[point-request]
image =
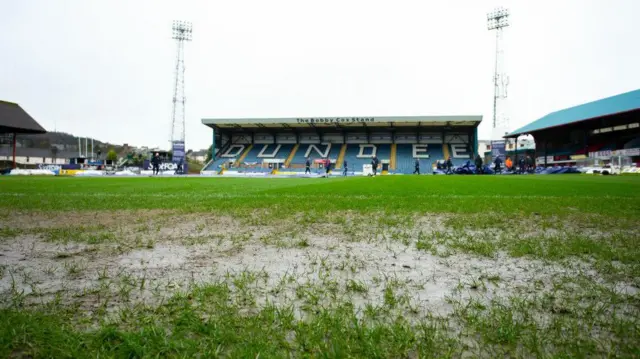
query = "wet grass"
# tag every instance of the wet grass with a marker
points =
(205, 323)
(332, 310)
(403, 194)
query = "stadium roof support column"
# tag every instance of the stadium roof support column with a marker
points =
(473, 135)
(213, 143)
(586, 142)
(545, 152)
(14, 149)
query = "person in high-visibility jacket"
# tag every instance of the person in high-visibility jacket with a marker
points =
(508, 163)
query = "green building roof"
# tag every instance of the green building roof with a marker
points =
(625, 102)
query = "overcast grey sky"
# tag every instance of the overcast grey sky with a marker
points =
(105, 68)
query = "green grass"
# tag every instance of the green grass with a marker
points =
(271, 332)
(452, 194)
(558, 220)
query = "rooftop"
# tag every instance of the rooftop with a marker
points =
(613, 105)
(340, 122)
(13, 119)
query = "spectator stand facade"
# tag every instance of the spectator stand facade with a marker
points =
(595, 130)
(262, 146)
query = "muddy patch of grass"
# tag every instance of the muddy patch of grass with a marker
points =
(345, 283)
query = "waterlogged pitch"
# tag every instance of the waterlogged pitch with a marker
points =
(397, 266)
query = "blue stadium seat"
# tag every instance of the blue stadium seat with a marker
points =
(383, 152)
(299, 158)
(405, 163)
(283, 152)
(459, 161)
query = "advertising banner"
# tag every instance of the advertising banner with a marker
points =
(164, 166)
(178, 152)
(631, 152)
(498, 150)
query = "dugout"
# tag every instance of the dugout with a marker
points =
(599, 129)
(251, 144)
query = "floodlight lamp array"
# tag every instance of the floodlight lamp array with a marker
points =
(498, 19)
(182, 30)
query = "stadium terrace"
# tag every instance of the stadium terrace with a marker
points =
(287, 146)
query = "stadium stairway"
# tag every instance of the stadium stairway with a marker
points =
(292, 154)
(392, 160)
(243, 156)
(340, 160)
(445, 152)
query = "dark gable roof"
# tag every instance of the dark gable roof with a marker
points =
(14, 119)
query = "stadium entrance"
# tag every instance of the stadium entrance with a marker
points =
(287, 146)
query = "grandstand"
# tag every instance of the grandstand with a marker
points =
(281, 145)
(599, 129)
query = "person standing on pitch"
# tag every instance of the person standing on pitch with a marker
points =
(179, 170)
(155, 162)
(521, 164)
(307, 168)
(498, 163)
(344, 164)
(417, 167)
(327, 165)
(449, 164)
(479, 164)
(374, 165)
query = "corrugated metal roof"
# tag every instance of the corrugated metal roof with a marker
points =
(625, 102)
(470, 120)
(13, 119)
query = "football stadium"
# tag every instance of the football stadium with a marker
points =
(103, 260)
